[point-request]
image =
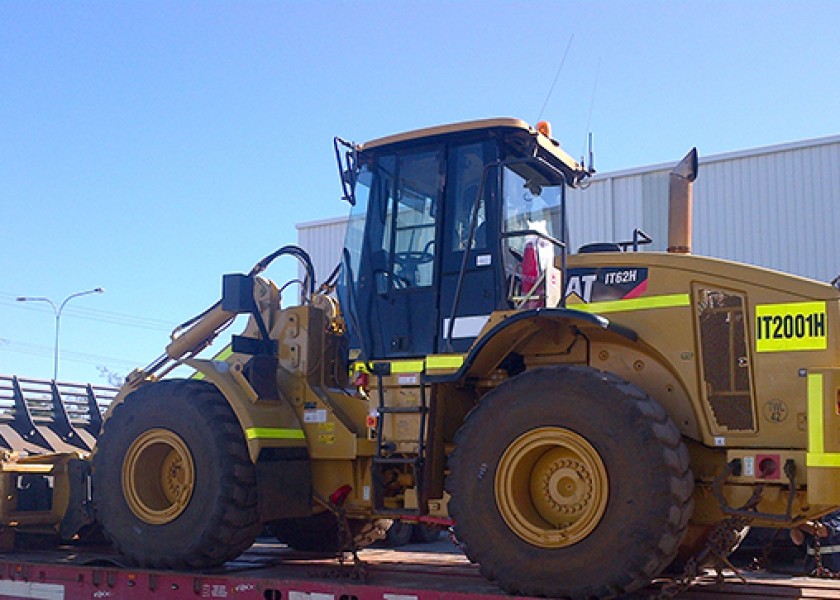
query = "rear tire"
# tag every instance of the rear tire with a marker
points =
(425, 534)
(399, 534)
(569, 482)
(173, 484)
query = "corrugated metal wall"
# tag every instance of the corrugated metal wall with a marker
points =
(777, 207)
(323, 240)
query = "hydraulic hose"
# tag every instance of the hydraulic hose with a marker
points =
(302, 256)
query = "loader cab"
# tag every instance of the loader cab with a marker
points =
(448, 225)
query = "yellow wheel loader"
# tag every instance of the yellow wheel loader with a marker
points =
(583, 417)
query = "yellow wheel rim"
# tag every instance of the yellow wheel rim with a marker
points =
(551, 487)
(158, 476)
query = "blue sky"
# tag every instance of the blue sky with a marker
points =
(149, 147)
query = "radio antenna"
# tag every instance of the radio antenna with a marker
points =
(588, 140)
(556, 77)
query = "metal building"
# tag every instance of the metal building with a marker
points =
(775, 206)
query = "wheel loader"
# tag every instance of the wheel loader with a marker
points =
(583, 418)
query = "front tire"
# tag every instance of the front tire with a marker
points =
(569, 482)
(173, 484)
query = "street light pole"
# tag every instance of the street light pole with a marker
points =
(57, 310)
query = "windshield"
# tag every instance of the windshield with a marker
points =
(531, 206)
(532, 228)
(352, 255)
(355, 235)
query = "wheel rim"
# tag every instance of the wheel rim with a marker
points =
(158, 476)
(551, 487)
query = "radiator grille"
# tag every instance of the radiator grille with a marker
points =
(726, 370)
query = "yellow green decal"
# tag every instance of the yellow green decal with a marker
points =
(274, 433)
(815, 413)
(643, 303)
(221, 355)
(444, 361)
(399, 367)
(817, 456)
(795, 326)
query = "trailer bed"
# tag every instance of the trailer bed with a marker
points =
(270, 571)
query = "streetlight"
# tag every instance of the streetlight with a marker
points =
(57, 310)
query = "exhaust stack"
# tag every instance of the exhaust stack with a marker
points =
(680, 197)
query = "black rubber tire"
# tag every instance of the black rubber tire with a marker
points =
(318, 533)
(650, 484)
(399, 534)
(425, 534)
(220, 519)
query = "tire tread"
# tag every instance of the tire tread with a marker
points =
(232, 517)
(655, 554)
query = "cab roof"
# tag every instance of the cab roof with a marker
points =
(548, 145)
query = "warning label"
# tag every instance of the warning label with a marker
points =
(791, 327)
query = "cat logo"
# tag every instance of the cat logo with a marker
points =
(580, 286)
(606, 284)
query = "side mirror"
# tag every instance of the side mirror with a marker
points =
(238, 293)
(346, 168)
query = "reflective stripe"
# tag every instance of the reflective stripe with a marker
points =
(419, 365)
(444, 361)
(647, 302)
(817, 456)
(224, 353)
(406, 366)
(822, 459)
(274, 433)
(220, 356)
(815, 414)
(824, 550)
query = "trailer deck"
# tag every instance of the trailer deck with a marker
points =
(270, 571)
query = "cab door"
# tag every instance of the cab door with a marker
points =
(480, 290)
(403, 252)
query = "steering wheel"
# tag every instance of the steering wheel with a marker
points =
(417, 257)
(400, 282)
(414, 257)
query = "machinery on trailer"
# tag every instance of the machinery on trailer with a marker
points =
(583, 418)
(47, 428)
